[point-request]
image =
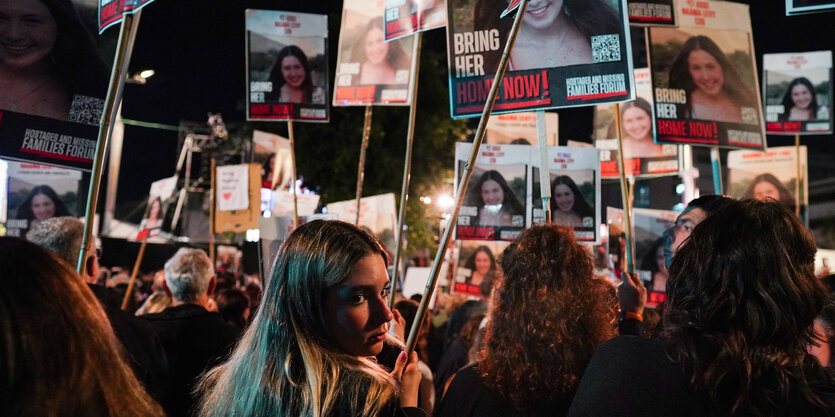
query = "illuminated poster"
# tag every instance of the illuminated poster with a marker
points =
(51, 99)
(40, 192)
(405, 17)
(705, 79)
(642, 156)
(798, 93)
(369, 70)
(770, 175)
(159, 200)
(477, 267)
(575, 190)
(566, 54)
(520, 129)
(495, 207)
(287, 66)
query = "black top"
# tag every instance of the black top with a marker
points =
(195, 340)
(630, 376)
(145, 353)
(468, 396)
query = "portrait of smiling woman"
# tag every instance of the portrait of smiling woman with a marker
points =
(46, 57)
(801, 103)
(291, 78)
(379, 60)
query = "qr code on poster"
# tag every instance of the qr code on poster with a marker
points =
(86, 110)
(605, 48)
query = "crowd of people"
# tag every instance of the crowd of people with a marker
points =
(745, 330)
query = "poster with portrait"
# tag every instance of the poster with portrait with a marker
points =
(651, 12)
(495, 206)
(617, 240)
(286, 66)
(520, 129)
(477, 267)
(649, 226)
(369, 70)
(282, 203)
(705, 79)
(378, 213)
(798, 93)
(272, 152)
(770, 175)
(40, 192)
(159, 199)
(53, 88)
(575, 190)
(406, 17)
(112, 12)
(795, 7)
(272, 232)
(642, 156)
(585, 59)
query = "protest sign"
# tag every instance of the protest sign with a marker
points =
(406, 17)
(520, 129)
(651, 12)
(770, 175)
(40, 192)
(798, 93)
(158, 202)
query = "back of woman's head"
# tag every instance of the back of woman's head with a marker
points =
(549, 314)
(60, 357)
(741, 297)
(288, 360)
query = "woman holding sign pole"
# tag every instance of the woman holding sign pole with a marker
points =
(715, 90)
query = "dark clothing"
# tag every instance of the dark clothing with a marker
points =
(456, 357)
(633, 377)
(467, 395)
(195, 340)
(391, 410)
(145, 353)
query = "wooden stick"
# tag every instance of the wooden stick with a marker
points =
(124, 48)
(544, 165)
(212, 210)
(624, 192)
(716, 163)
(133, 273)
(407, 173)
(366, 132)
(293, 163)
(467, 174)
(797, 198)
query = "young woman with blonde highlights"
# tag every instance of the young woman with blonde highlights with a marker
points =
(309, 351)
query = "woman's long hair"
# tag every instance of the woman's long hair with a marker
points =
(25, 210)
(592, 18)
(60, 356)
(288, 363)
(581, 206)
(75, 61)
(741, 298)
(396, 55)
(788, 103)
(638, 103)
(733, 86)
(786, 196)
(470, 263)
(277, 77)
(510, 204)
(549, 315)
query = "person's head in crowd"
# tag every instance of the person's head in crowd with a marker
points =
(408, 309)
(379, 60)
(308, 350)
(824, 331)
(800, 101)
(461, 315)
(233, 305)
(696, 211)
(545, 296)
(742, 295)
(155, 303)
(495, 200)
(60, 356)
(416, 297)
(189, 277)
(62, 236)
(520, 141)
(705, 73)
(567, 198)
(767, 187)
(40, 204)
(290, 76)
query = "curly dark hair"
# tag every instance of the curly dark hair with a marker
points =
(549, 315)
(741, 298)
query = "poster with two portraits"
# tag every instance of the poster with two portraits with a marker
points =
(504, 197)
(704, 77)
(53, 85)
